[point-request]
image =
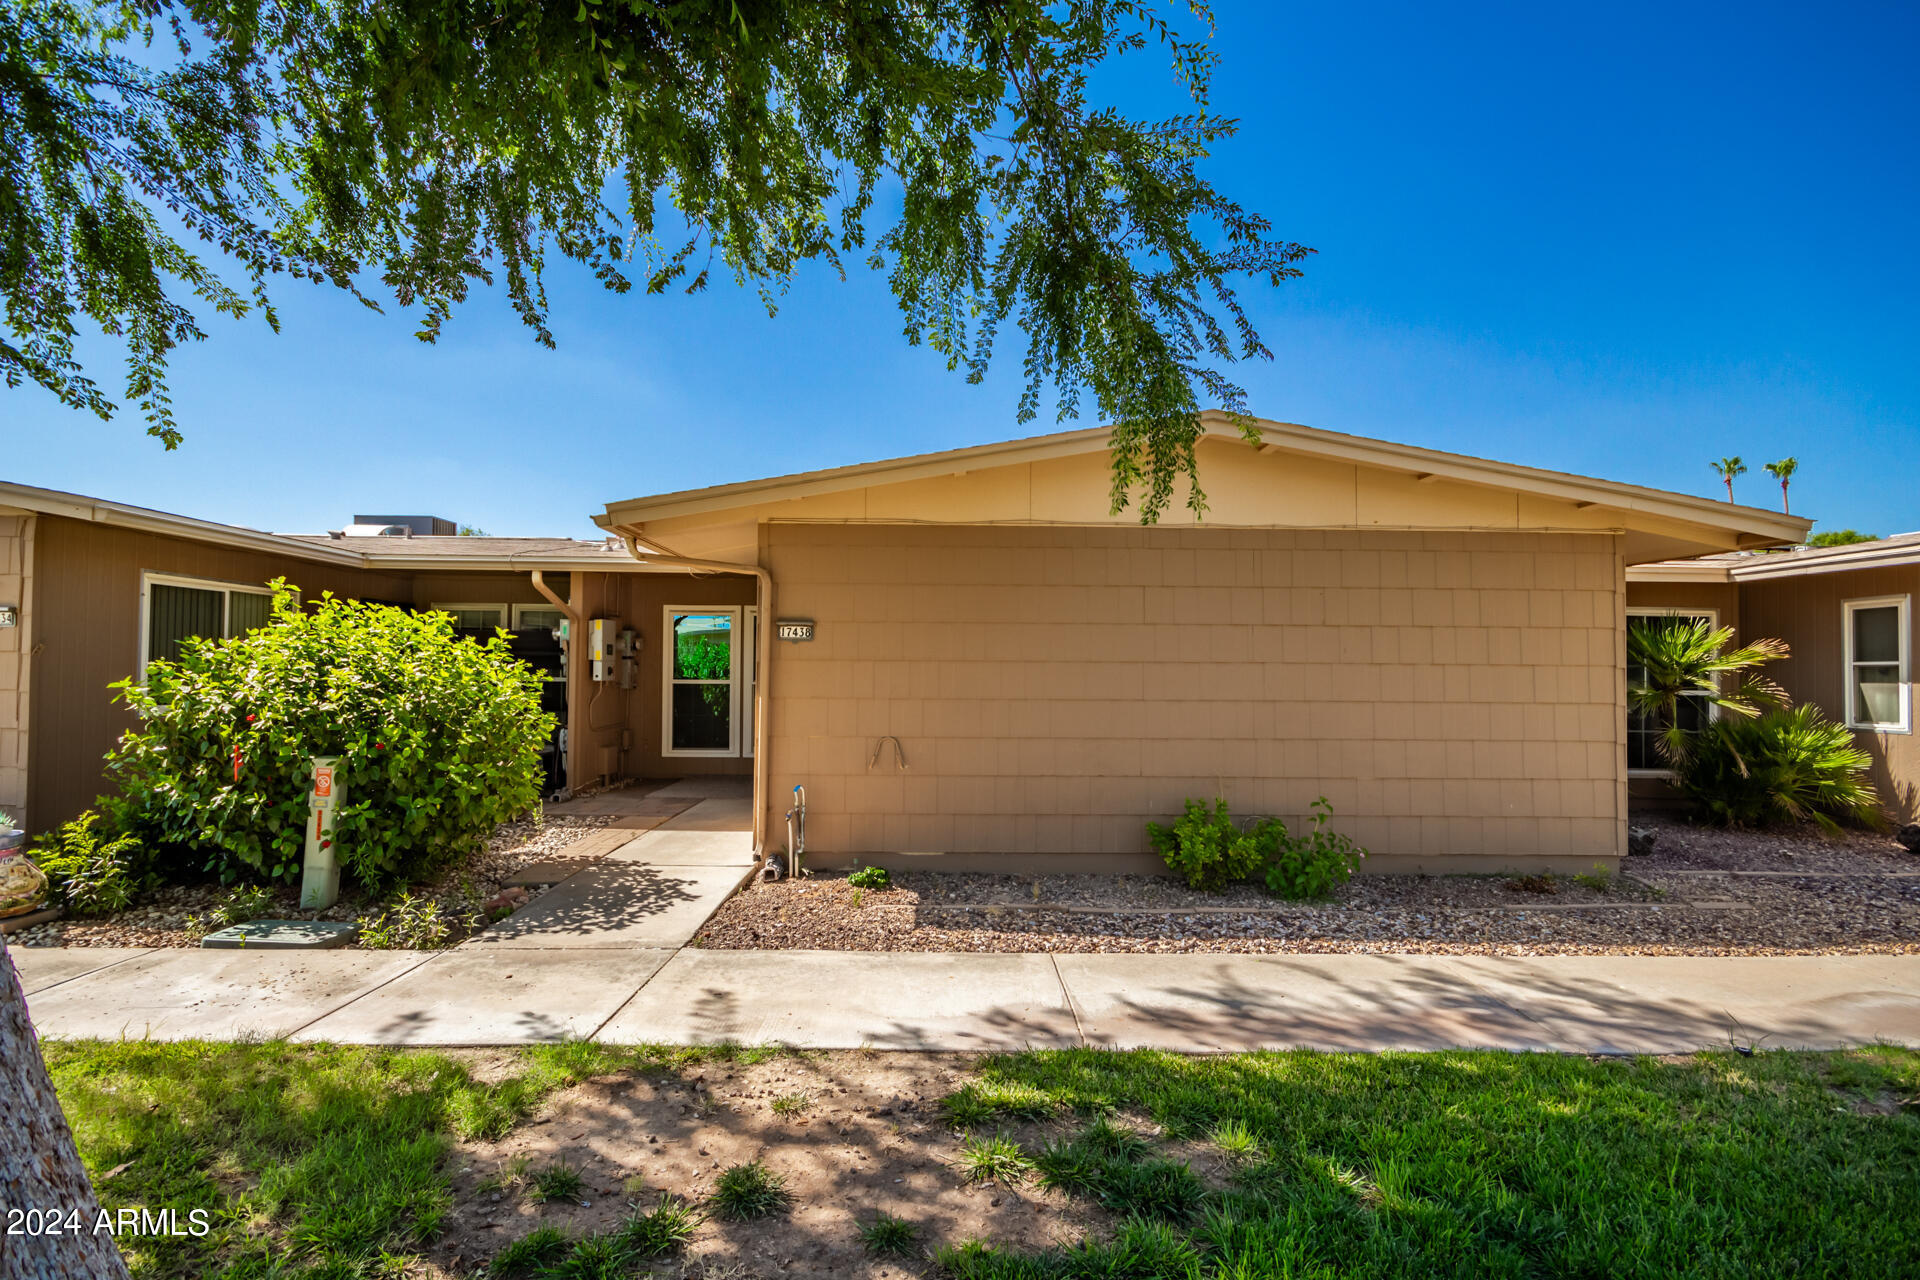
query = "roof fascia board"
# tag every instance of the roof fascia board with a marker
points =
(924, 466)
(1796, 566)
(1679, 573)
(144, 520)
(1426, 463)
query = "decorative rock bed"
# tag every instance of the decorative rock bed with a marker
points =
(1698, 891)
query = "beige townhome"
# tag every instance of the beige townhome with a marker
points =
(973, 662)
(1846, 614)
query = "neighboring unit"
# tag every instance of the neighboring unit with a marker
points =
(1847, 615)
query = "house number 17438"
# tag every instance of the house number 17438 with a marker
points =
(795, 629)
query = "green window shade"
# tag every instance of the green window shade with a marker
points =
(247, 611)
(175, 614)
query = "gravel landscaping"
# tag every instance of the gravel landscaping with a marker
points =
(161, 919)
(1702, 891)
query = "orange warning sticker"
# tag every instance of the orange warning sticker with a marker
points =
(323, 780)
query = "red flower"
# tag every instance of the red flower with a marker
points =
(249, 719)
(379, 746)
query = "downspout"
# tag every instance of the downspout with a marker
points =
(762, 664)
(540, 585)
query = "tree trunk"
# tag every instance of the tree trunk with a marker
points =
(40, 1167)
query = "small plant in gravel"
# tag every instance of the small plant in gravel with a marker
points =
(1600, 880)
(1205, 848)
(1314, 863)
(871, 878)
(531, 1253)
(410, 924)
(750, 1191)
(888, 1234)
(995, 1159)
(855, 897)
(662, 1230)
(791, 1104)
(238, 906)
(555, 1182)
(91, 869)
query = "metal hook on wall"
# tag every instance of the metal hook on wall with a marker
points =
(899, 753)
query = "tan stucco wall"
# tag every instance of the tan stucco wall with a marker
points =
(1458, 697)
(16, 658)
(1805, 611)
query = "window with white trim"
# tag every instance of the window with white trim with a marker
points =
(537, 617)
(1695, 708)
(1874, 637)
(707, 694)
(177, 609)
(475, 617)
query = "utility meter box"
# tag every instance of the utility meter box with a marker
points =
(603, 638)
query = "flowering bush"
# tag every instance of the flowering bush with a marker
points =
(438, 740)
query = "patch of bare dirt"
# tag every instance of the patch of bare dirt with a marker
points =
(860, 1133)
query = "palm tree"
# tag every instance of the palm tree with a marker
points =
(1687, 659)
(1783, 471)
(1728, 469)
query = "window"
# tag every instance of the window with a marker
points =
(533, 617)
(475, 617)
(1643, 732)
(707, 703)
(1874, 635)
(175, 610)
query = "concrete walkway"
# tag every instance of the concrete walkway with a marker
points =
(603, 954)
(827, 999)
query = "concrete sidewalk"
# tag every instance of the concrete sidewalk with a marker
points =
(832, 999)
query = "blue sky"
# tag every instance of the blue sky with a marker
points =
(1621, 241)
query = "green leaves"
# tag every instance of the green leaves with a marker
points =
(441, 144)
(1209, 851)
(439, 740)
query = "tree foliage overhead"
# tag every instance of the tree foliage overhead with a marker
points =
(427, 145)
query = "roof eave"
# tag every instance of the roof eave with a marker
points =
(1750, 527)
(75, 506)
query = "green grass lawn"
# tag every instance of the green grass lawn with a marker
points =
(311, 1160)
(328, 1161)
(1477, 1164)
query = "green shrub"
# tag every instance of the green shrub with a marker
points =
(1204, 847)
(438, 739)
(1314, 863)
(91, 868)
(871, 878)
(1784, 765)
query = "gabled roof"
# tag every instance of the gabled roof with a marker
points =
(1721, 524)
